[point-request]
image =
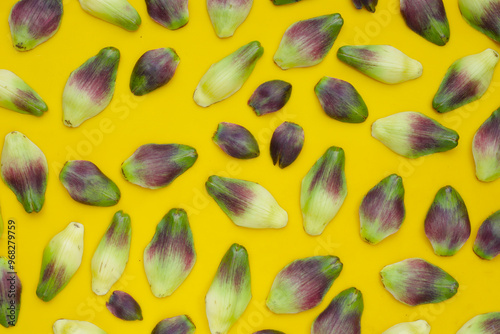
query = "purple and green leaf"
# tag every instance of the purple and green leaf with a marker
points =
(86, 184)
(416, 281)
(286, 144)
(155, 166)
(447, 224)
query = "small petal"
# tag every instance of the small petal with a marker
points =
(181, 324)
(487, 244)
(236, 141)
(487, 323)
(16, 95)
(123, 306)
(269, 331)
(24, 170)
(323, 191)
(154, 69)
(382, 210)
(383, 63)
(10, 294)
(415, 327)
(230, 292)
(228, 15)
(117, 12)
(286, 144)
(428, 19)
(269, 97)
(90, 87)
(302, 284)
(246, 203)
(343, 315)
(466, 80)
(447, 224)
(283, 2)
(86, 184)
(111, 256)
(340, 100)
(64, 326)
(483, 16)
(155, 166)
(170, 256)
(33, 22)
(413, 135)
(61, 259)
(486, 149)
(172, 14)
(416, 281)
(228, 75)
(370, 5)
(306, 43)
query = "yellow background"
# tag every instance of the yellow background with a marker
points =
(169, 115)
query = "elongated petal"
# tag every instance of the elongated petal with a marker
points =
(86, 184)
(33, 22)
(447, 224)
(306, 43)
(416, 281)
(269, 331)
(111, 256)
(61, 259)
(228, 75)
(413, 135)
(323, 191)
(16, 95)
(343, 315)
(487, 323)
(483, 16)
(383, 63)
(302, 284)
(181, 324)
(236, 141)
(286, 144)
(172, 14)
(415, 327)
(124, 306)
(24, 170)
(487, 244)
(155, 166)
(90, 87)
(228, 15)
(154, 69)
(486, 149)
(340, 100)
(466, 80)
(428, 19)
(230, 292)
(246, 203)
(370, 5)
(64, 326)
(10, 294)
(382, 210)
(269, 97)
(283, 2)
(117, 12)
(170, 256)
